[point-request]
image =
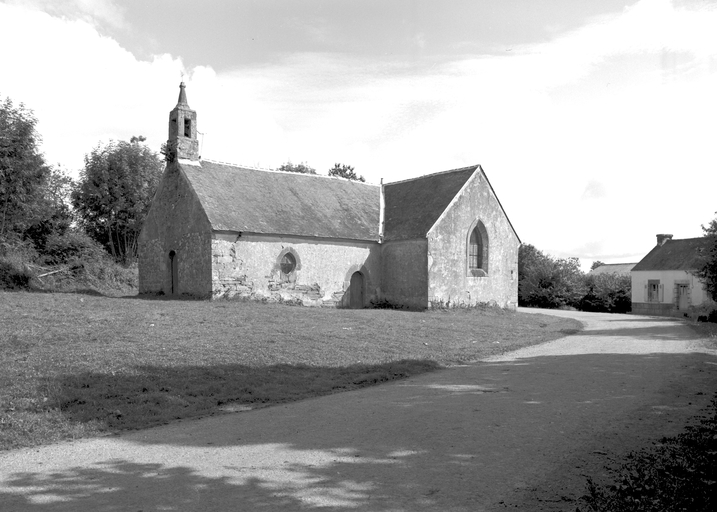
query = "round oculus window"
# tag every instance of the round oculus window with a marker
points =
(288, 263)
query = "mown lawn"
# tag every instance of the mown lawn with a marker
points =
(75, 365)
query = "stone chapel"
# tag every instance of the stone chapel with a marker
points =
(216, 230)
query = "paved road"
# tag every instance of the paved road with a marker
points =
(519, 431)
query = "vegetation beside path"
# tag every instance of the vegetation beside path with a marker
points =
(677, 473)
(75, 365)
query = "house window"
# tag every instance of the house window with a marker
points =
(287, 264)
(478, 251)
(654, 290)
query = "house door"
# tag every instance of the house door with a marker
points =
(174, 274)
(356, 291)
(683, 296)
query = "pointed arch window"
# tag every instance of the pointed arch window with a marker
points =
(477, 254)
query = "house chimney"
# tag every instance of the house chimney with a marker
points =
(661, 239)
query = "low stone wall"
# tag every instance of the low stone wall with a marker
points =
(654, 309)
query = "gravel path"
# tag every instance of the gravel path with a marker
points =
(519, 431)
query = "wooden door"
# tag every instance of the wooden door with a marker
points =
(683, 292)
(174, 273)
(356, 291)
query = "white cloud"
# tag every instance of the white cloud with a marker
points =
(95, 12)
(83, 87)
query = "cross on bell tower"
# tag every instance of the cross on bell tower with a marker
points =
(183, 128)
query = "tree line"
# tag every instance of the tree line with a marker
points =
(547, 282)
(48, 218)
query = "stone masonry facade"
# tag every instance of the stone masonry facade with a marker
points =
(248, 267)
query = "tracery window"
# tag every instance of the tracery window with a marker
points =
(287, 264)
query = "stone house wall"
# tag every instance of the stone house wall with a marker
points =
(404, 278)
(247, 266)
(176, 222)
(449, 278)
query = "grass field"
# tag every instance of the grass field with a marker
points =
(75, 365)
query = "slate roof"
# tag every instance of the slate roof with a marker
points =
(613, 268)
(682, 254)
(413, 206)
(269, 202)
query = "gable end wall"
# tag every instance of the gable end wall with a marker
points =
(448, 278)
(176, 222)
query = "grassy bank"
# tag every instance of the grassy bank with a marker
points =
(75, 365)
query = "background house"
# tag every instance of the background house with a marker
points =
(662, 282)
(219, 230)
(620, 269)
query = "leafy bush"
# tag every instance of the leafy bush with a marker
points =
(13, 276)
(544, 282)
(707, 272)
(74, 245)
(610, 293)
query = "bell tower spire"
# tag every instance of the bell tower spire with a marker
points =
(183, 128)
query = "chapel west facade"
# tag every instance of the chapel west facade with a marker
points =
(216, 230)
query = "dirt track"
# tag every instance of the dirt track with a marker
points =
(520, 431)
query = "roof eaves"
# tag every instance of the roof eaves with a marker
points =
(456, 197)
(460, 192)
(501, 206)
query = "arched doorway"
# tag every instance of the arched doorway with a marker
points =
(173, 273)
(356, 291)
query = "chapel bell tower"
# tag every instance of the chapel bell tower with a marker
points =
(183, 128)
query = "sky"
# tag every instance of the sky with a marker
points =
(594, 121)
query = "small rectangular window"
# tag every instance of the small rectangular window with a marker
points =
(653, 290)
(187, 127)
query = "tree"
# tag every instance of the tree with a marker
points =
(23, 170)
(300, 168)
(707, 273)
(596, 264)
(54, 215)
(546, 282)
(345, 171)
(610, 292)
(114, 193)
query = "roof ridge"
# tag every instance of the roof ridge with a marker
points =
(684, 239)
(232, 164)
(434, 174)
(263, 169)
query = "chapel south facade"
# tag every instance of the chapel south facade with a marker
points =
(223, 231)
